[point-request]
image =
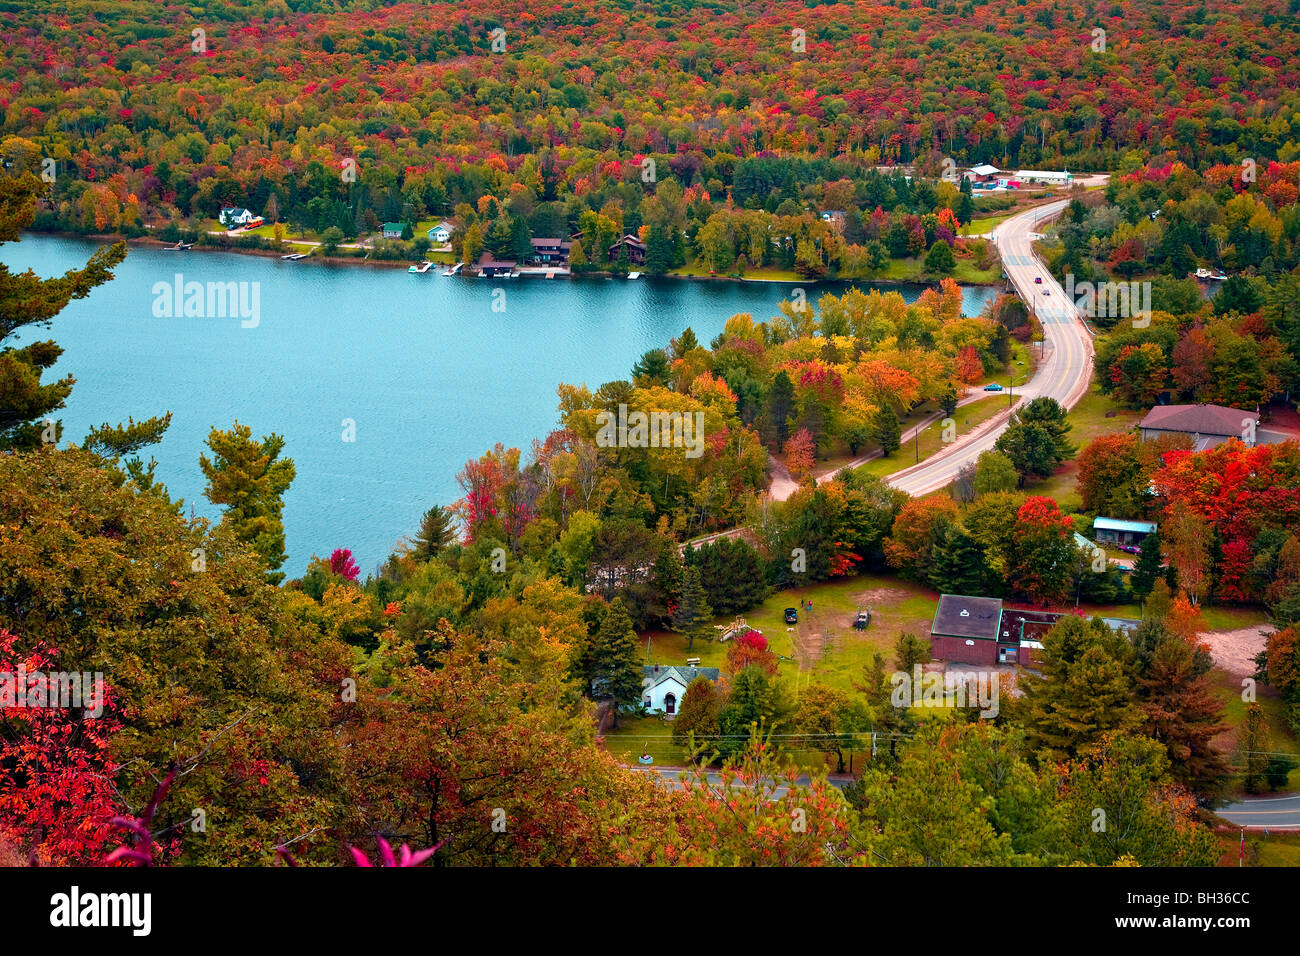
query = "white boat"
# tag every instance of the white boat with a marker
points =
(634, 275)
(293, 257)
(1202, 273)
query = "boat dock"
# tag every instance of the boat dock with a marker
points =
(422, 268)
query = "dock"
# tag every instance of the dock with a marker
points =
(422, 268)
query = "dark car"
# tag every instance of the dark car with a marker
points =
(1038, 280)
(862, 620)
(791, 616)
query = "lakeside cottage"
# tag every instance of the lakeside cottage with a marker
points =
(392, 230)
(440, 234)
(635, 250)
(235, 217)
(551, 251)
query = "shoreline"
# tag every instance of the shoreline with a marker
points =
(404, 264)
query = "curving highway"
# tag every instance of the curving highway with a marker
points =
(1063, 374)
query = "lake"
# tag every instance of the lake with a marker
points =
(425, 369)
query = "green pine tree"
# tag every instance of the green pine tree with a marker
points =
(886, 430)
(612, 659)
(694, 617)
(250, 479)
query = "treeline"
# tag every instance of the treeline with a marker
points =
(432, 112)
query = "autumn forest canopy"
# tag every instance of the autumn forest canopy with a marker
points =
(273, 99)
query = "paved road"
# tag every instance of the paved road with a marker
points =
(1064, 372)
(1265, 813)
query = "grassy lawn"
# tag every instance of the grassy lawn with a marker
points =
(700, 270)
(930, 440)
(822, 648)
(979, 227)
(649, 734)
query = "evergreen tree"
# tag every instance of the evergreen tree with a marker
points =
(250, 479)
(910, 650)
(886, 430)
(939, 260)
(436, 532)
(611, 660)
(1086, 690)
(658, 250)
(958, 565)
(1181, 712)
(694, 617)
(755, 701)
(780, 403)
(25, 299)
(948, 399)
(652, 368)
(1254, 746)
(1050, 415)
(1147, 568)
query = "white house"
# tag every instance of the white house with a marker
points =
(1052, 178)
(664, 686)
(232, 216)
(441, 233)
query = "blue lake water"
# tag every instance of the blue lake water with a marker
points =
(428, 372)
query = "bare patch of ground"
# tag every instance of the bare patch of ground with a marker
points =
(880, 597)
(1234, 651)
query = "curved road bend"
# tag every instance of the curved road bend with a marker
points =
(1065, 372)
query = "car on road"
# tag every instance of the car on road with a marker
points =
(791, 616)
(1038, 280)
(992, 387)
(1047, 292)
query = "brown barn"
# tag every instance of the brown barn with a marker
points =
(966, 629)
